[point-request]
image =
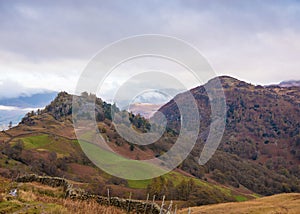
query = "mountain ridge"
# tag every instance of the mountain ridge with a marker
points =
(262, 128)
(248, 161)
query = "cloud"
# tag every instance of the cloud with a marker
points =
(17, 109)
(46, 44)
(8, 108)
(54, 75)
(13, 89)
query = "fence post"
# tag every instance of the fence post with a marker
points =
(190, 210)
(146, 203)
(152, 205)
(170, 207)
(175, 212)
(128, 208)
(162, 205)
(108, 196)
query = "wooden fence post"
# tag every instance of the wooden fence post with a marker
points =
(152, 205)
(175, 212)
(162, 205)
(128, 208)
(146, 203)
(108, 196)
(170, 207)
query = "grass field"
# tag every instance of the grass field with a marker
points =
(281, 204)
(34, 198)
(44, 142)
(34, 142)
(119, 165)
(240, 198)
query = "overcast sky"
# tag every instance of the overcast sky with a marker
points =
(46, 44)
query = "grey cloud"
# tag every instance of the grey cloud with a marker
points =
(42, 29)
(257, 41)
(13, 89)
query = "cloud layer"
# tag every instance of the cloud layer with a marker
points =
(46, 44)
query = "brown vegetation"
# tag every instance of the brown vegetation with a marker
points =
(283, 204)
(261, 144)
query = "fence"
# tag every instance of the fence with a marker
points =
(129, 205)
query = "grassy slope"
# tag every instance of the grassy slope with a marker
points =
(118, 163)
(37, 198)
(63, 147)
(282, 203)
(44, 142)
(58, 136)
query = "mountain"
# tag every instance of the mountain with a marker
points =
(290, 83)
(45, 143)
(146, 110)
(258, 155)
(14, 109)
(260, 149)
(29, 101)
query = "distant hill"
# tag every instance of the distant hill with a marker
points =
(290, 83)
(14, 109)
(32, 101)
(145, 109)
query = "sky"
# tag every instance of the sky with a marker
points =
(45, 45)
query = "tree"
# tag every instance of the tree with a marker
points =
(14, 151)
(10, 125)
(131, 147)
(184, 189)
(157, 187)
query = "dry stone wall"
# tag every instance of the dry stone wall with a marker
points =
(136, 206)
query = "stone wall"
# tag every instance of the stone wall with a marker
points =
(46, 180)
(136, 206)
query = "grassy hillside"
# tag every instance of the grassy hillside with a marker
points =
(260, 148)
(45, 143)
(58, 156)
(283, 204)
(37, 198)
